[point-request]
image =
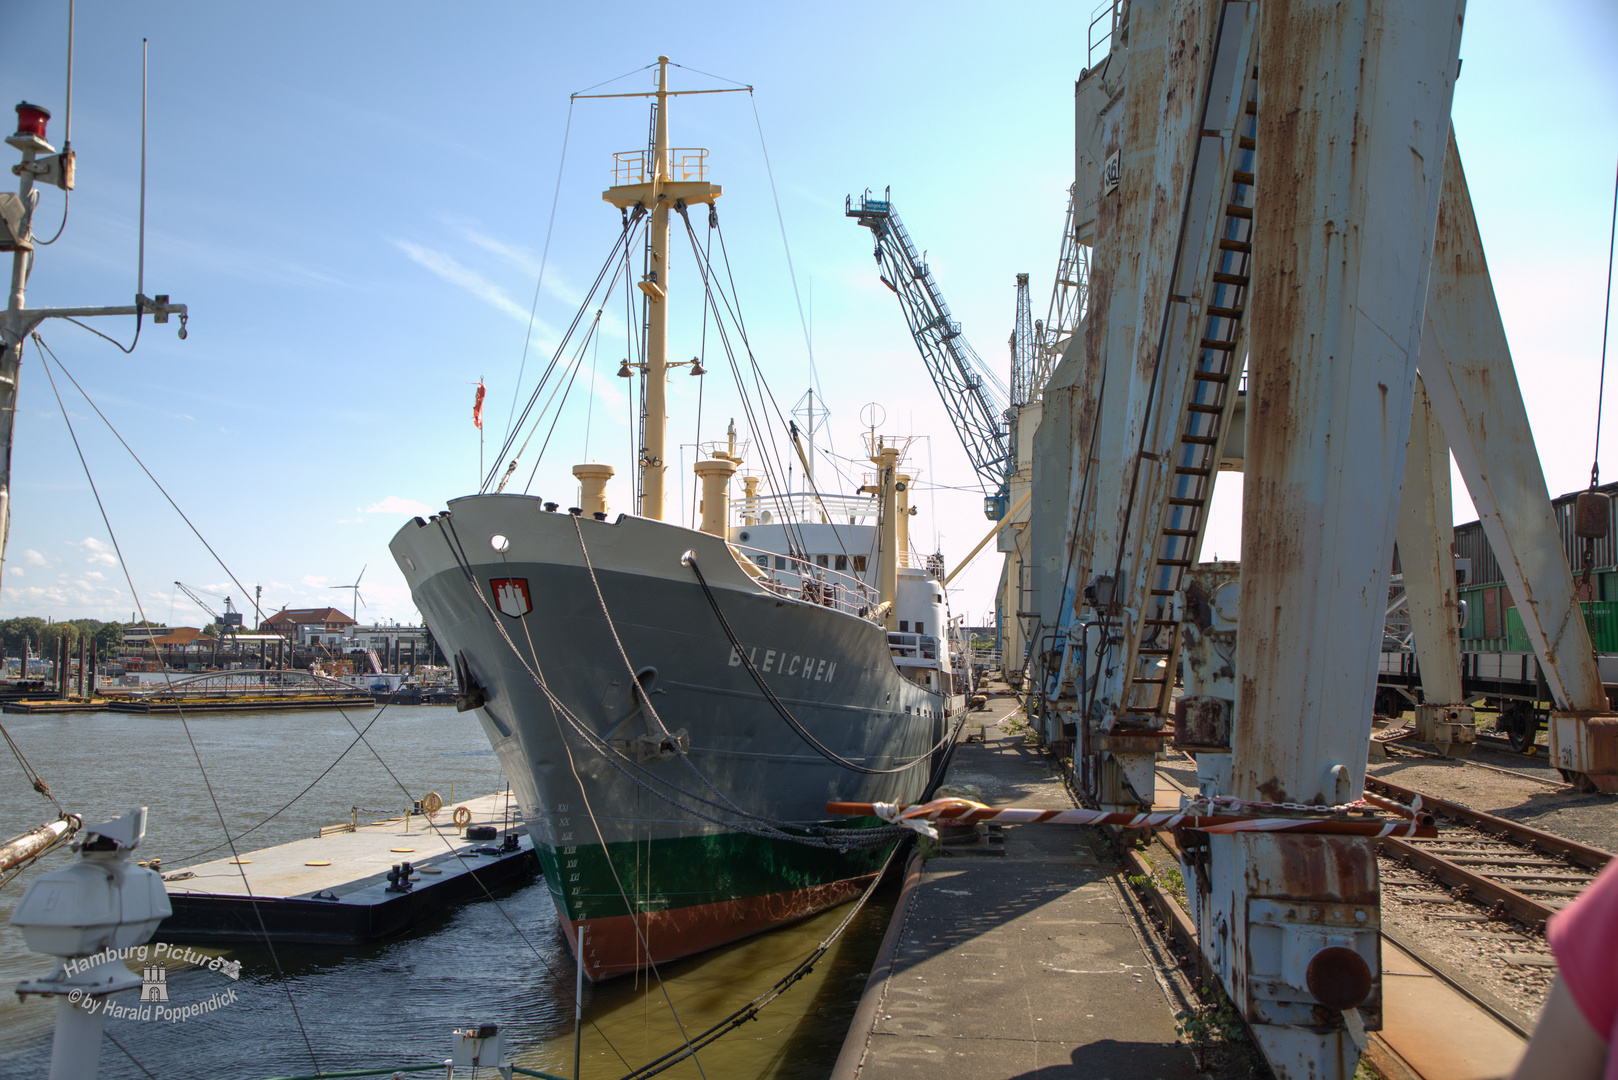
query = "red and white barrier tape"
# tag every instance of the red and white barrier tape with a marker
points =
(963, 811)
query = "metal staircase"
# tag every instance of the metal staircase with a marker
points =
(1215, 382)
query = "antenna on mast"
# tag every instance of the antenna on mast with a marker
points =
(140, 258)
(67, 121)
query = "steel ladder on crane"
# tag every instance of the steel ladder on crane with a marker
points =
(1215, 379)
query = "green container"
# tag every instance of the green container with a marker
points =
(1600, 616)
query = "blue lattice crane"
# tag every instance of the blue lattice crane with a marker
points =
(976, 399)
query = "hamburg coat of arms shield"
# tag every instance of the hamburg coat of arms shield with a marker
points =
(511, 596)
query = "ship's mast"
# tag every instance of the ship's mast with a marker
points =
(651, 185)
(652, 464)
(41, 163)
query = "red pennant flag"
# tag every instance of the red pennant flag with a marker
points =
(477, 407)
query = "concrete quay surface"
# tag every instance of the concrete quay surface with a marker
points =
(1016, 959)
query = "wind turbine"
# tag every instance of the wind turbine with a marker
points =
(356, 588)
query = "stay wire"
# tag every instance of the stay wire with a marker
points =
(133, 1060)
(710, 75)
(459, 551)
(1606, 316)
(185, 724)
(36, 781)
(751, 1010)
(544, 257)
(566, 392)
(498, 906)
(775, 473)
(561, 348)
(40, 341)
(183, 860)
(772, 468)
(782, 221)
(615, 78)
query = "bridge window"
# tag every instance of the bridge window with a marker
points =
(904, 626)
(841, 563)
(859, 563)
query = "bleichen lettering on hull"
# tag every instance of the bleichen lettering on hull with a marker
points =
(790, 664)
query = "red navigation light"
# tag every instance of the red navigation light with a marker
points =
(31, 119)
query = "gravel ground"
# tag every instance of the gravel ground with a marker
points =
(1589, 819)
(1502, 956)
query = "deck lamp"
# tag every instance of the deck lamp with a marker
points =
(623, 370)
(696, 367)
(31, 119)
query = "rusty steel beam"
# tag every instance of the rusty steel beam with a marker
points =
(1466, 363)
(1353, 114)
(1426, 554)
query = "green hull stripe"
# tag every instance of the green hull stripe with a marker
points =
(663, 875)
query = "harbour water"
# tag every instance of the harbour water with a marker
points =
(392, 1003)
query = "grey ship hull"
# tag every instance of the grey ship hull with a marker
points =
(652, 881)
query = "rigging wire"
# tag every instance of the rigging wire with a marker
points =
(589, 416)
(185, 859)
(36, 781)
(1606, 316)
(185, 724)
(110, 1038)
(615, 78)
(578, 358)
(40, 341)
(459, 553)
(561, 348)
(782, 221)
(771, 465)
(544, 257)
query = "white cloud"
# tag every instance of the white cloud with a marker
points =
(95, 575)
(393, 504)
(473, 282)
(314, 581)
(521, 258)
(34, 558)
(16, 571)
(96, 553)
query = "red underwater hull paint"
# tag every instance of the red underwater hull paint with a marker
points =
(612, 947)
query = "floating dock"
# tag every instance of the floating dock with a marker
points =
(36, 706)
(334, 889)
(240, 703)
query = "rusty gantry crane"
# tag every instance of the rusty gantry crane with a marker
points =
(1273, 188)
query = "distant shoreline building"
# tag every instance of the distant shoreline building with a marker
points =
(308, 626)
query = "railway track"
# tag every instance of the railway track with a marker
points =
(1513, 869)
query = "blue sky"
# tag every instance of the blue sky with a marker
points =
(353, 199)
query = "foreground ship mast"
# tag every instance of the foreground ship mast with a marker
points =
(651, 184)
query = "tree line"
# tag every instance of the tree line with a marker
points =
(40, 637)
